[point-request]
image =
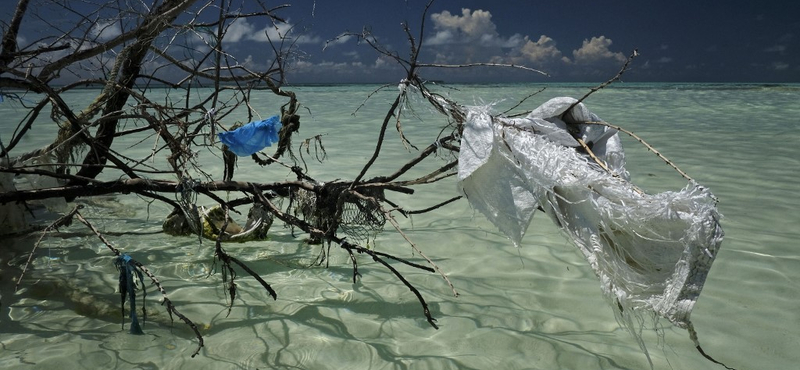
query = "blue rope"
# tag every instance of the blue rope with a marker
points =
(127, 268)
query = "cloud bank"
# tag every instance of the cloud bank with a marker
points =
(473, 34)
(468, 36)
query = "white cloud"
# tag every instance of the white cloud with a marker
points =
(776, 49)
(241, 29)
(248, 61)
(596, 50)
(325, 71)
(275, 32)
(541, 51)
(514, 41)
(302, 65)
(780, 66)
(22, 41)
(474, 24)
(780, 44)
(352, 55)
(471, 36)
(441, 38)
(308, 39)
(471, 27)
(443, 58)
(238, 30)
(382, 63)
(337, 67)
(106, 30)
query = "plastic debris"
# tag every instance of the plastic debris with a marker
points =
(651, 252)
(127, 268)
(258, 223)
(252, 137)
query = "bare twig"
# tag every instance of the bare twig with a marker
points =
(433, 207)
(396, 226)
(494, 65)
(646, 145)
(228, 273)
(375, 257)
(62, 221)
(522, 101)
(624, 68)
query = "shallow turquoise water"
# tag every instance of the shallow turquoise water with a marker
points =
(536, 307)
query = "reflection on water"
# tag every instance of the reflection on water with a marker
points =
(535, 307)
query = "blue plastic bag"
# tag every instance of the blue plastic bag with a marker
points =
(252, 137)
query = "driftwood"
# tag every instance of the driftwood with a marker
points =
(84, 146)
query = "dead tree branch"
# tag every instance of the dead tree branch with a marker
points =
(616, 77)
(165, 300)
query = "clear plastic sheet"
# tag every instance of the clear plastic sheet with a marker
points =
(651, 253)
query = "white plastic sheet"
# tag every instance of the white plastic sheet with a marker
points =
(651, 253)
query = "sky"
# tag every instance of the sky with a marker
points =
(571, 41)
(580, 41)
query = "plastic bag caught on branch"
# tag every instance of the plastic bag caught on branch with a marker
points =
(651, 253)
(252, 137)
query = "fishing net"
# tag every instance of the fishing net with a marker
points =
(361, 219)
(651, 252)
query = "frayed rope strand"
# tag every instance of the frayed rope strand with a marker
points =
(127, 268)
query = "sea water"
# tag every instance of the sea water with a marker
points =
(534, 307)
